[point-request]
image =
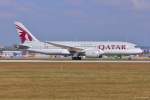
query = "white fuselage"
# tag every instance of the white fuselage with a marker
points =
(124, 48)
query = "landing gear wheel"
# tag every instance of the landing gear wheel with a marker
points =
(76, 58)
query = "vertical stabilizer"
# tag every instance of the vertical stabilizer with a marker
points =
(24, 33)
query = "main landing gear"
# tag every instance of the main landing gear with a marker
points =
(76, 58)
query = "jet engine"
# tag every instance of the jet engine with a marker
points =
(93, 53)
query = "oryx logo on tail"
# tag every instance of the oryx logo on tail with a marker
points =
(24, 33)
(24, 36)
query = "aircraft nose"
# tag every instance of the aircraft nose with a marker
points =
(140, 50)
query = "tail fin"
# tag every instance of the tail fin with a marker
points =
(24, 33)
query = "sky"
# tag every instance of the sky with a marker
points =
(77, 20)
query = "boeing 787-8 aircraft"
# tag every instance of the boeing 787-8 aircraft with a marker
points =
(76, 49)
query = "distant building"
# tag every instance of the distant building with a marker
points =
(11, 54)
(146, 50)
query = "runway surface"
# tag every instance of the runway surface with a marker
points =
(73, 61)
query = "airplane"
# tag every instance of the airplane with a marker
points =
(75, 49)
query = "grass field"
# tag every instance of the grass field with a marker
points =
(74, 81)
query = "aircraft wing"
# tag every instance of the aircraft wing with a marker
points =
(70, 48)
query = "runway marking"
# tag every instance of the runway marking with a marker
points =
(70, 61)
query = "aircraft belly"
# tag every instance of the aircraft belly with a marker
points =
(51, 51)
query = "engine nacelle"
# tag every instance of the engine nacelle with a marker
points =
(93, 53)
